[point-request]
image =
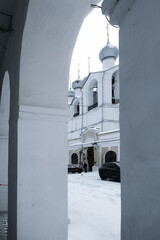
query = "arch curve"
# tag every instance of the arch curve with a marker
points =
(110, 156)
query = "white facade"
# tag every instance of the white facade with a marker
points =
(139, 115)
(94, 126)
(37, 57)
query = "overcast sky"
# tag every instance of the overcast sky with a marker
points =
(92, 38)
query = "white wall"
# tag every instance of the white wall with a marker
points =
(49, 36)
(106, 115)
(107, 84)
(4, 131)
(108, 62)
(139, 117)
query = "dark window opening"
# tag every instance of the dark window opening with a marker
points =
(114, 99)
(92, 106)
(76, 111)
(94, 97)
(110, 157)
(74, 158)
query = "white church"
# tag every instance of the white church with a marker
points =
(93, 130)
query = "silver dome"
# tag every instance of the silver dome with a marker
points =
(108, 51)
(77, 84)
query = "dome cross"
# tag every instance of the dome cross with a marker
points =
(107, 27)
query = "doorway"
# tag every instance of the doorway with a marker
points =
(90, 158)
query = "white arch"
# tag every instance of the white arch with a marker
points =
(49, 36)
(4, 132)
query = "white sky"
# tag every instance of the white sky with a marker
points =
(91, 39)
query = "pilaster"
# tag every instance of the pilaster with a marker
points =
(42, 173)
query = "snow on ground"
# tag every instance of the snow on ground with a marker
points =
(93, 208)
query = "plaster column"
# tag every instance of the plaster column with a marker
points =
(139, 115)
(107, 83)
(140, 121)
(42, 173)
(4, 130)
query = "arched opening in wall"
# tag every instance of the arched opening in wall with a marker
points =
(4, 135)
(42, 121)
(93, 95)
(74, 158)
(110, 156)
(76, 108)
(115, 88)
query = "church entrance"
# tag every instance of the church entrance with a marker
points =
(90, 157)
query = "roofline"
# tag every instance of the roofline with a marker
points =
(102, 71)
(107, 132)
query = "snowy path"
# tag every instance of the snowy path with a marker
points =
(93, 208)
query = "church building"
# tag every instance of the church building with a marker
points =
(93, 130)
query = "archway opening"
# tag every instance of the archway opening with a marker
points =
(92, 134)
(4, 139)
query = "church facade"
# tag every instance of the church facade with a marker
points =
(93, 130)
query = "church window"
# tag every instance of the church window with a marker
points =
(93, 95)
(76, 109)
(115, 88)
(110, 156)
(74, 158)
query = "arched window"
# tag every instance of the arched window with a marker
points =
(76, 109)
(115, 88)
(74, 158)
(110, 156)
(93, 95)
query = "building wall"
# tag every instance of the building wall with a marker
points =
(38, 113)
(4, 133)
(106, 115)
(74, 151)
(103, 118)
(139, 117)
(103, 151)
(11, 63)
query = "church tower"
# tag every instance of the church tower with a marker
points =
(108, 54)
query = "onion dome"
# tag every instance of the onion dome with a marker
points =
(77, 84)
(71, 93)
(108, 51)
